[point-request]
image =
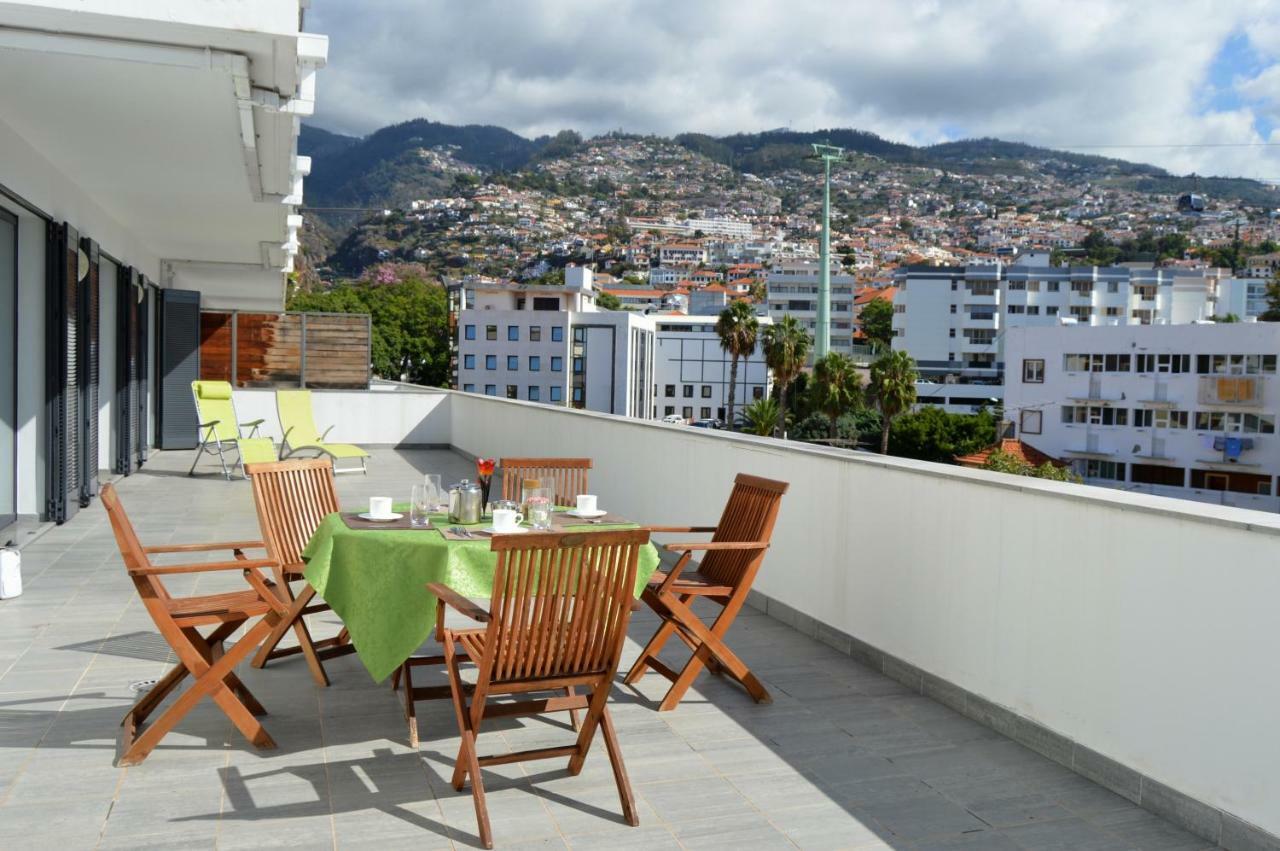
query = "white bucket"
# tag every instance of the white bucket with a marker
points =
(10, 573)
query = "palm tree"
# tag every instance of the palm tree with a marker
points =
(837, 386)
(761, 416)
(786, 348)
(892, 389)
(738, 330)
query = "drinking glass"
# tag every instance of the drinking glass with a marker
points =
(435, 491)
(538, 507)
(421, 504)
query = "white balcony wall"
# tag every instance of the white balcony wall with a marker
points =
(1141, 627)
(391, 418)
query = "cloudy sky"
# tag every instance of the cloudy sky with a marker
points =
(1125, 73)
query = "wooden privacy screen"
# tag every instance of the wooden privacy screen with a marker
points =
(285, 349)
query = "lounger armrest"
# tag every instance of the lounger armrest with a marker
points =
(209, 424)
(717, 545)
(698, 529)
(206, 567)
(448, 597)
(257, 422)
(234, 546)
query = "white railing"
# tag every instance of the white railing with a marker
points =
(1141, 627)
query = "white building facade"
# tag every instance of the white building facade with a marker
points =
(1176, 410)
(551, 345)
(691, 370)
(952, 319)
(793, 289)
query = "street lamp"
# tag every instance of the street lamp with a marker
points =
(822, 341)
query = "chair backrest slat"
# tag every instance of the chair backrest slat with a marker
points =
(560, 604)
(749, 515)
(293, 498)
(567, 476)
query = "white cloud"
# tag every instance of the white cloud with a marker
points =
(1052, 73)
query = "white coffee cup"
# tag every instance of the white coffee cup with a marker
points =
(586, 503)
(380, 506)
(506, 519)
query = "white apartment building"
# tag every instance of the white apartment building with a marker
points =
(550, 344)
(682, 254)
(692, 371)
(1265, 266)
(793, 289)
(737, 228)
(952, 319)
(1177, 410)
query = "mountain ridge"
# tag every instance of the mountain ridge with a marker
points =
(383, 169)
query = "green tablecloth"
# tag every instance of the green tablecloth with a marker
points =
(376, 580)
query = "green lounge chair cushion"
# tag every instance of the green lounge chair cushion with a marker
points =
(256, 450)
(298, 425)
(212, 389)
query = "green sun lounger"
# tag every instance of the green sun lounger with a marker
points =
(298, 424)
(220, 429)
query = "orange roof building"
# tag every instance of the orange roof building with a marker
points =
(1024, 452)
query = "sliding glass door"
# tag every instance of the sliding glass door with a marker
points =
(8, 370)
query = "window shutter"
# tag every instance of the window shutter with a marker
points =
(179, 361)
(88, 356)
(62, 391)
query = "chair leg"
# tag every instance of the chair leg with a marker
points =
(570, 691)
(209, 683)
(222, 459)
(212, 650)
(410, 711)
(599, 697)
(199, 452)
(294, 620)
(468, 762)
(711, 646)
(655, 644)
(619, 769)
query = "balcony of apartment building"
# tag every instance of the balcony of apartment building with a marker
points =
(985, 685)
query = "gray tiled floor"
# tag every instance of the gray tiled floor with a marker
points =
(843, 758)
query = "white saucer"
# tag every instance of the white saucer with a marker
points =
(380, 519)
(586, 515)
(519, 530)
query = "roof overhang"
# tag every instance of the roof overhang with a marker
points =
(179, 120)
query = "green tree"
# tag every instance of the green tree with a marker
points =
(892, 390)
(410, 323)
(1272, 313)
(607, 301)
(932, 434)
(762, 416)
(786, 348)
(816, 428)
(738, 330)
(1002, 462)
(837, 387)
(876, 320)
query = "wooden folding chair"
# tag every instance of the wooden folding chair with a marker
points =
(203, 657)
(724, 576)
(292, 498)
(567, 476)
(558, 619)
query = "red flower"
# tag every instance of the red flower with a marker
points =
(484, 467)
